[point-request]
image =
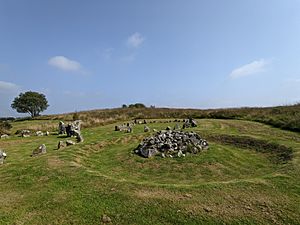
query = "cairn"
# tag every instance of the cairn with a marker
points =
(171, 144)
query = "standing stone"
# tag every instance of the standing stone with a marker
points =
(78, 136)
(61, 128)
(61, 144)
(68, 130)
(77, 124)
(193, 123)
(2, 156)
(168, 128)
(47, 133)
(146, 129)
(177, 127)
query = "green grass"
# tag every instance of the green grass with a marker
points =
(227, 184)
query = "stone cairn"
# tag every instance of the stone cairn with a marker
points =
(2, 156)
(168, 143)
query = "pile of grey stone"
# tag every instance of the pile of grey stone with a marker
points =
(2, 156)
(171, 143)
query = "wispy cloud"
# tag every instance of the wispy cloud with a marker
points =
(63, 63)
(135, 40)
(257, 66)
(7, 87)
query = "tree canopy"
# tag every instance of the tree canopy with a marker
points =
(30, 102)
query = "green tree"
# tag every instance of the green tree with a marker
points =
(30, 102)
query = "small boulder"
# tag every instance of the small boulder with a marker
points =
(61, 144)
(4, 136)
(39, 133)
(70, 142)
(105, 219)
(146, 129)
(25, 133)
(39, 150)
(168, 128)
(2, 156)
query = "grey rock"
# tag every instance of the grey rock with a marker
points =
(146, 129)
(106, 219)
(168, 128)
(61, 128)
(70, 142)
(39, 150)
(78, 136)
(148, 152)
(2, 156)
(25, 133)
(61, 144)
(39, 133)
(4, 136)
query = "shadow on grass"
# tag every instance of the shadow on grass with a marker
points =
(279, 153)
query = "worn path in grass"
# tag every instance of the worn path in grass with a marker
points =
(79, 184)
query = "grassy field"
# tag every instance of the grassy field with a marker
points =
(228, 184)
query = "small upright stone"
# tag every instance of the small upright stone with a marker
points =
(168, 128)
(61, 128)
(61, 144)
(2, 156)
(177, 127)
(146, 129)
(105, 219)
(39, 150)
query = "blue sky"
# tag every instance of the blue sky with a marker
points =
(196, 54)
